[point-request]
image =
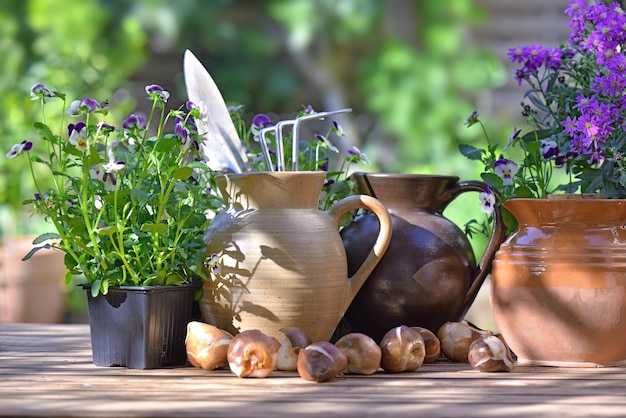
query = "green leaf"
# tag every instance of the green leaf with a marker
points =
(44, 131)
(182, 173)
(70, 262)
(94, 157)
(174, 278)
(139, 197)
(523, 191)
(109, 230)
(95, 287)
(509, 221)
(165, 145)
(152, 227)
(34, 250)
(45, 237)
(198, 166)
(471, 152)
(68, 277)
(105, 286)
(493, 180)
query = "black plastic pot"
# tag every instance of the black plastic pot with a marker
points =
(140, 327)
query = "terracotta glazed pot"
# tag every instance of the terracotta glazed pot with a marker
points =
(32, 290)
(280, 260)
(558, 286)
(428, 275)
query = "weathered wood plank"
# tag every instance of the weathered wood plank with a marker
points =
(46, 370)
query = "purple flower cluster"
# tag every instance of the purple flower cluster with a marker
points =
(581, 84)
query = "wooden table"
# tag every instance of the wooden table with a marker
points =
(46, 370)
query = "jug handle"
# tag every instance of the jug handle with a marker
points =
(345, 205)
(498, 234)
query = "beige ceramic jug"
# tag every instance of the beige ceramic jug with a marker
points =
(276, 260)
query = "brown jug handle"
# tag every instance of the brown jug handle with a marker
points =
(345, 205)
(498, 234)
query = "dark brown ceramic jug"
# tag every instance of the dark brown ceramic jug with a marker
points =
(429, 274)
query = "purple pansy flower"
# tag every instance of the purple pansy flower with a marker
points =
(157, 92)
(505, 169)
(134, 121)
(78, 135)
(487, 200)
(262, 121)
(213, 264)
(324, 140)
(548, 149)
(198, 110)
(39, 91)
(357, 155)
(17, 149)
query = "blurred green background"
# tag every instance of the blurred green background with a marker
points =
(412, 71)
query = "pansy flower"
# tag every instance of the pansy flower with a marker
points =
(39, 91)
(82, 107)
(78, 136)
(157, 92)
(197, 110)
(114, 166)
(505, 169)
(337, 129)
(99, 172)
(104, 106)
(17, 149)
(259, 122)
(487, 200)
(213, 264)
(134, 121)
(43, 201)
(323, 164)
(326, 142)
(472, 118)
(103, 130)
(98, 203)
(356, 156)
(181, 131)
(548, 149)
(512, 137)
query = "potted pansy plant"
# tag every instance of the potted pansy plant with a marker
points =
(558, 282)
(128, 201)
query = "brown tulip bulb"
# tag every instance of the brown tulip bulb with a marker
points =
(363, 353)
(321, 361)
(456, 337)
(291, 340)
(207, 345)
(431, 344)
(490, 354)
(253, 353)
(402, 349)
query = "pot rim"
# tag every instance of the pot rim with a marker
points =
(404, 175)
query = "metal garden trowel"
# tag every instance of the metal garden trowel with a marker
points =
(222, 147)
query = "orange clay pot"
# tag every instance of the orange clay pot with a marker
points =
(558, 284)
